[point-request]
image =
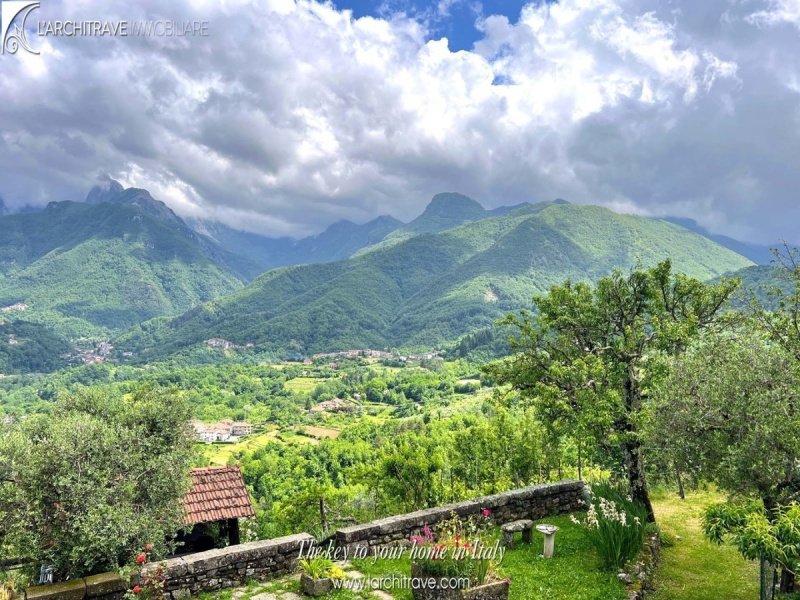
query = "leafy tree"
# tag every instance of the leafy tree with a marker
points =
(586, 353)
(783, 323)
(731, 409)
(771, 537)
(100, 477)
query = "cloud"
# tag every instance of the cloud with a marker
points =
(777, 12)
(292, 115)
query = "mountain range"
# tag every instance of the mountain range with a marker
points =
(122, 265)
(435, 286)
(90, 269)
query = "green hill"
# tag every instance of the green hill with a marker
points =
(435, 287)
(762, 282)
(92, 269)
(26, 347)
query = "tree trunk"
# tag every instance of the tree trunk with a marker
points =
(634, 464)
(323, 514)
(681, 493)
(787, 581)
(632, 447)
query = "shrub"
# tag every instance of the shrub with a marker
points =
(319, 567)
(85, 486)
(615, 525)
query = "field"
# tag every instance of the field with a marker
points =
(322, 432)
(220, 454)
(302, 385)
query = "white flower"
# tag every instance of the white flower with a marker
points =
(591, 518)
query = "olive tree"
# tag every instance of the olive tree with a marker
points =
(731, 410)
(83, 487)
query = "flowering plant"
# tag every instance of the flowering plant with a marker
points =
(148, 584)
(460, 549)
(615, 526)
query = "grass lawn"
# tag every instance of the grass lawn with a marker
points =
(694, 568)
(572, 574)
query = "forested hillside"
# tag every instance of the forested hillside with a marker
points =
(432, 288)
(91, 269)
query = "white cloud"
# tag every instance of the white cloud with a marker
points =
(294, 114)
(777, 12)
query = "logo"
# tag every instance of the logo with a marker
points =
(15, 12)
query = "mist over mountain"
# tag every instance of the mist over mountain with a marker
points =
(759, 254)
(340, 240)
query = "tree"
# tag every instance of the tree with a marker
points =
(783, 323)
(589, 353)
(85, 486)
(771, 537)
(730, 408)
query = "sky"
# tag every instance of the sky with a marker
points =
(288, 116)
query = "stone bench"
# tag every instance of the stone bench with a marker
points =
(509, 529)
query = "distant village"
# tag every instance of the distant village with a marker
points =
(226, 430)
(379, 354)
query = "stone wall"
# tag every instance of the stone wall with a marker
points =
(229, 567)
(193, 573)
(527, 503)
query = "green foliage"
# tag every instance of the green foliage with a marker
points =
(89, 270)
(728, 412)
(615, 525)
(589, 356)
(757, 534)
(102, 476)
(317, 567)
(30, 347)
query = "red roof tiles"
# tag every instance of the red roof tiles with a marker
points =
(217, 493)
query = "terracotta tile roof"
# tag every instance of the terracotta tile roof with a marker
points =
(217, 493)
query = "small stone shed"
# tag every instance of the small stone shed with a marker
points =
(217, 500)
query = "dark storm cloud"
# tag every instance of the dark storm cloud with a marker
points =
(290, 116)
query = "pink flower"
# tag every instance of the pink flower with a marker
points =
(136, 589)
(486, 512)
(141, 558)
(427, 532)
